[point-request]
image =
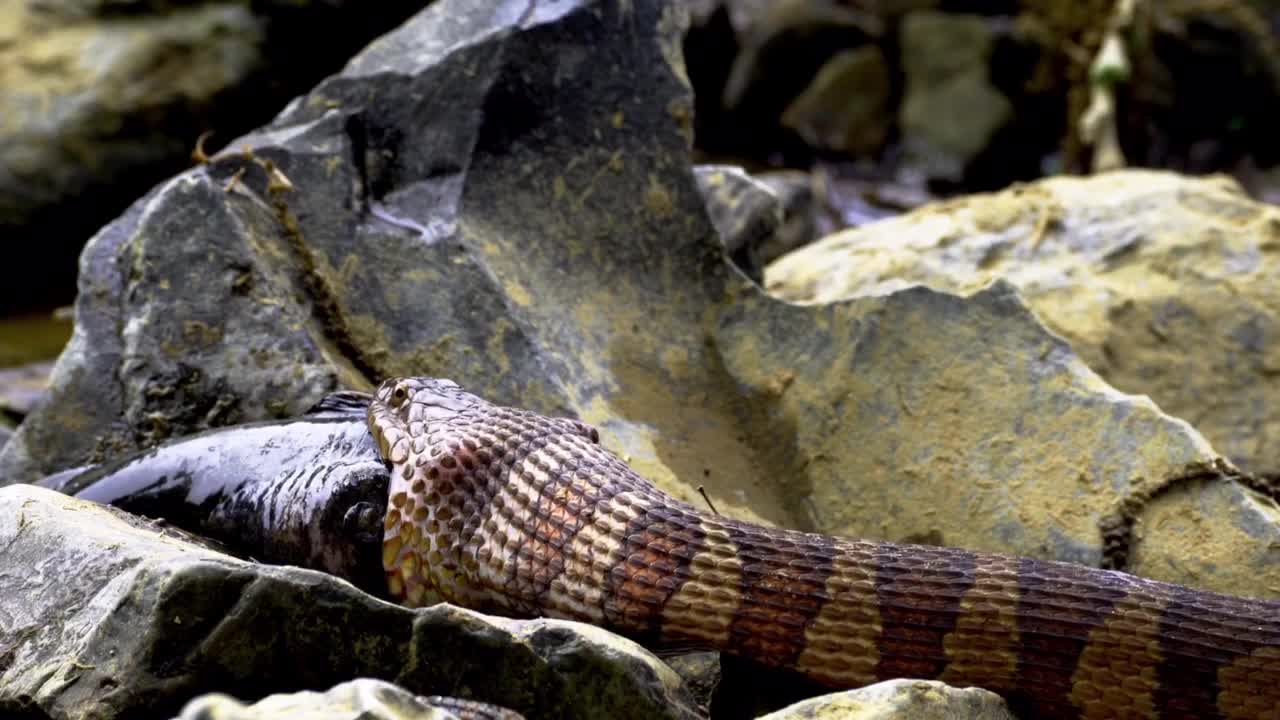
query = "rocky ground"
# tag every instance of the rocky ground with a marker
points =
(1077, 368)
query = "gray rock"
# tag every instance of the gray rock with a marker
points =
(371, 267)
(362, 699)
(900, 700)
(764, 215)
(745, 212)
(23, 388)
(846, 106)
(950, 111)
(803, 212)
(53, 101)
(701, 673)
(102, 617)
(799, 35)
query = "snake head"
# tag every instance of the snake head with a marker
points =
(410, 417)
(402, 405)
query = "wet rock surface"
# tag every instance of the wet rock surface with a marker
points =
(152, 620)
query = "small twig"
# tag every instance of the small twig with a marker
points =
(1042, 225)
(234, 181)
(198, 154)
(703, 492)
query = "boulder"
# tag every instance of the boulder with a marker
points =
(846, 108)
(1164, 284)
(103, 98)
(362, 699)
(950, 111)
(153, 618)
(745, 212)
(899, 700)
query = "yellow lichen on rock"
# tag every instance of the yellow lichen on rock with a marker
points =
(1165, 285)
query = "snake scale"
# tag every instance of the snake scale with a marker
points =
(509, 511)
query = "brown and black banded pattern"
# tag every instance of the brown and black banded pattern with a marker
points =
(1190, 686)
(919, 597)
(656, 553)
(1055, 617)
(783, 589)
(501, 508)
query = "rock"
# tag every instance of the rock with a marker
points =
(562, 260)
(743, 210)
(821, 201)
(802, 213)
(846, 107)
(1205, 532)
(546, 668)
(158, 620)
(369, 269)
(362, 699)
(900, 699)
(799, 35)
(700, 672)
(950, 111)
(1161, 282)
(23, 388)
(102, 98)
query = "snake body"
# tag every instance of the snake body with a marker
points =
(509, 511)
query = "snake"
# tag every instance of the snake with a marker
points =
(505, 510)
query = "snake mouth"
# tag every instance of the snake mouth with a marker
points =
(398, 419)
(402, 539)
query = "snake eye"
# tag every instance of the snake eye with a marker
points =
(399, 395)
